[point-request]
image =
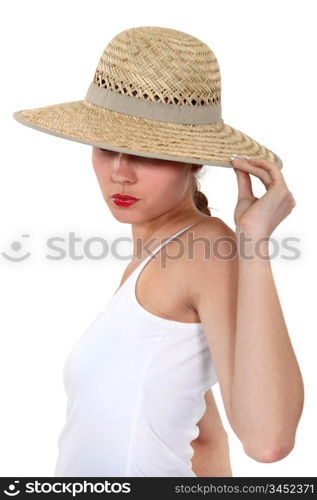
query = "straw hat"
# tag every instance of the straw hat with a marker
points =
(156, 92)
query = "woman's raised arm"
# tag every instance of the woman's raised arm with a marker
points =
(237, 302)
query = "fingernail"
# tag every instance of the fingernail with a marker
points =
(238, 157)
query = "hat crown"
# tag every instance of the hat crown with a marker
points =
(160, 65)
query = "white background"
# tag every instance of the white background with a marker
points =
(49, 52)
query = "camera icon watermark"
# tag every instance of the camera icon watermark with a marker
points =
(12, 490)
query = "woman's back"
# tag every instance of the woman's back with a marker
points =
(135, 383)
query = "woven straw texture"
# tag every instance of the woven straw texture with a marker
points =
(152, 65)
(161, 65)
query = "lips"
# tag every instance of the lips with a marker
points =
(124, 197)
(124, 200)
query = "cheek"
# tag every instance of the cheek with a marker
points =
(103, 173)
(166, 184)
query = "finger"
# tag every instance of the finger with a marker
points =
(271, 167)
(257, 171)
(244, 184)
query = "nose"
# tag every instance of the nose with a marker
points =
(123, 168)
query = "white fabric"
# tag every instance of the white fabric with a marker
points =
(135, 384)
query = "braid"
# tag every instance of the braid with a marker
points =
(200, 200)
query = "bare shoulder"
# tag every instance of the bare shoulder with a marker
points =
(212, 227)
(211, 248)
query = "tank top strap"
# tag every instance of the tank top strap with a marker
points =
(139, 268)
(134, 275)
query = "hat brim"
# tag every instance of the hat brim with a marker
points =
(83, 122)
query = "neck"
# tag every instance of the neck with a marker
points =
(163, 226)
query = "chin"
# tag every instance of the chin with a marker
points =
(123, 217)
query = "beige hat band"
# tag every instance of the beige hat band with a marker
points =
(114, 101)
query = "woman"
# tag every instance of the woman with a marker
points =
(197, 303)
(185, 291)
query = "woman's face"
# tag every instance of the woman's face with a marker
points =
(161, 185)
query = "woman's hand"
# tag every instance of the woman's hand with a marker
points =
(261, 216)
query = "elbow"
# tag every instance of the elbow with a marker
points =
(268, 454)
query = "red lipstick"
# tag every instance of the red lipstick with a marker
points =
(124, 200)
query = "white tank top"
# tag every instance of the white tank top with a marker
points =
(135, 384)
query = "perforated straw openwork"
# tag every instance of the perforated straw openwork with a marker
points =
(156, 92)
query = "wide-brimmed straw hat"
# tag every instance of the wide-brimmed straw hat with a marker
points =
(156, 92)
